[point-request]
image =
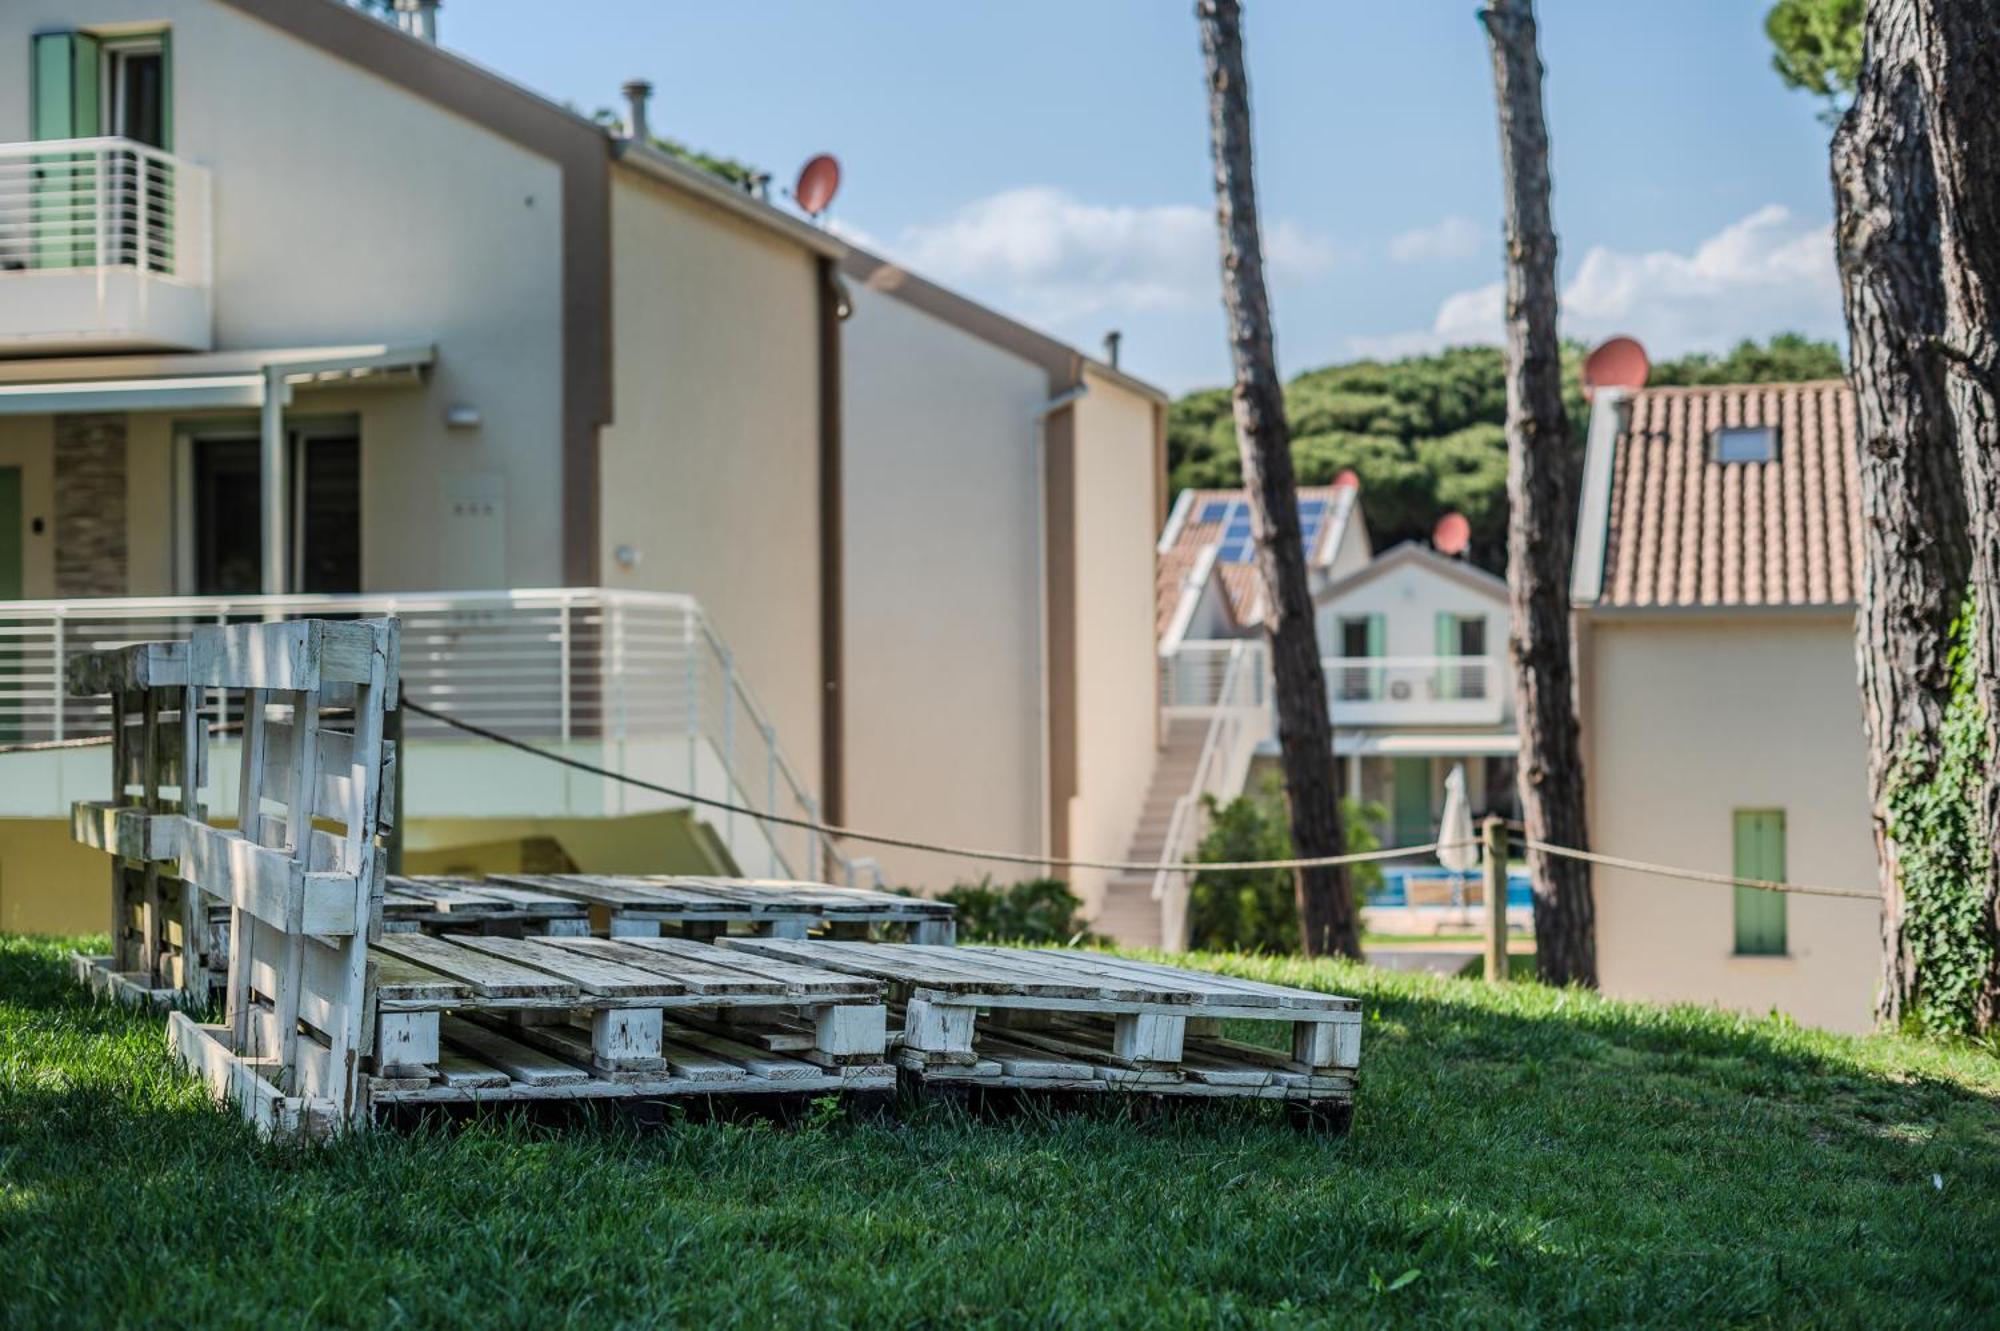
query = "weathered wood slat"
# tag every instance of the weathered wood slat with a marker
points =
(803, 981)
(490, 976)
(589, 972)
(529, 1066)
(695, 975)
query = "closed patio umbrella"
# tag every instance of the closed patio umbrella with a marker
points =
(1456, 825)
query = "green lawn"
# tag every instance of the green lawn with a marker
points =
(1520, 1156)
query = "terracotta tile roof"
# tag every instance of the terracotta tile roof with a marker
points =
(1241, 583)
(1685, 530)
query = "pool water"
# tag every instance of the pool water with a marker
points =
(1393, 892)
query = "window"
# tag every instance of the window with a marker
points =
(228, 545)
(1461, 636)
(1760, 853)
(1360, 639)
(1746, 443)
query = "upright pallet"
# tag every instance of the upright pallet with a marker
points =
(645, 906)
(302, 870)
(163, 948)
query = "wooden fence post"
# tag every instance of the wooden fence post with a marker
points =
(1494, 835)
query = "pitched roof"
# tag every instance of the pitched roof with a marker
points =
(1682, 529)
(1467, 575)
(1187, 536)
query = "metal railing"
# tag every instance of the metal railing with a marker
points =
(1359, 689)
(1241, 721)
(561, 667)
(103, 207)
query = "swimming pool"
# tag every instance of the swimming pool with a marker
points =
(1393, 891)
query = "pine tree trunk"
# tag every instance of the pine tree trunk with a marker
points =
(1541, 489)
(1958, 74)
(1915, 560)
(1327, 917)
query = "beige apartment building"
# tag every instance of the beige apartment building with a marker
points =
(300, 313)
(1716, 575)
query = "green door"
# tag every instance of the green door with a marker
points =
(1411, 814)
(65, 98)
(1760, 853)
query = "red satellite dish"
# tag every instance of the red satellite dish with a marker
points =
(1618, 363)
(1452, 534)
(1347, 480)
(819, 180)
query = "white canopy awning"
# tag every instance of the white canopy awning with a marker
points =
(201, 380)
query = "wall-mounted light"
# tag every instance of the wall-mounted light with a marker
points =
(628, 557)
(461, 416)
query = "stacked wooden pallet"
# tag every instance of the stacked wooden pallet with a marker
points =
(162, 945)
(1055, 1019)
(471, 1018)
(628, 906)
(434, 903)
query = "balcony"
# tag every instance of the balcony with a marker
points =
(636, 682)
(1362, 692)
(104, 246)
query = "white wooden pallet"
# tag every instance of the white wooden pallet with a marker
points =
(441, 903)
(706, 907)
(1060, 1019)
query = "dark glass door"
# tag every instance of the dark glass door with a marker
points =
(325, 515)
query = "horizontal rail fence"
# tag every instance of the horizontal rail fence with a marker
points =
(552, 667)
(1196, 675)
(70, 204)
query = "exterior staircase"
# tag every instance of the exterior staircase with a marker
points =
(1129, 914)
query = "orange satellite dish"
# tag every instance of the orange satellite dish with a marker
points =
(1452, 534)
(1348, 480)
(819, 181)
(1619, 362)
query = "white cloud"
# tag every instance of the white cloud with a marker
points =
(1453, 238)
(1767, 273)
(1047, 256)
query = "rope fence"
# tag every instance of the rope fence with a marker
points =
(839, 832)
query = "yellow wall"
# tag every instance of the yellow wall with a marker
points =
(48, 883)
(1687, 720)
(711, 471)
(943, 589)
(1117, 720)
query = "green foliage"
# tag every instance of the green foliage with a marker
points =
(1786, 358)
(1816, 46)
(1256, 910)
(1426, 434)
(740, 174)
(1039, 910)
(1544, 1158)
(1941, 852)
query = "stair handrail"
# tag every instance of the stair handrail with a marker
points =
(1239, 707)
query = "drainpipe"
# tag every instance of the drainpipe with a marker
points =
(1038, 458)
(637, 91)
(274, 483)
(418, 18)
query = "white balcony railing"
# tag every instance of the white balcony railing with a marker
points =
(1361, 691)
(105, 244)
(633, 681)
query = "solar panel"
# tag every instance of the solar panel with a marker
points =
(1214, 510)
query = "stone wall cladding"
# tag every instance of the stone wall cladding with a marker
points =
(90, 505)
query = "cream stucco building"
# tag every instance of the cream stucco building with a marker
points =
(296, 304)
(1715, 584)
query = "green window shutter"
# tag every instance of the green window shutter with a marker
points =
(1378, 631)
(65, 97)
(167, 90)
(1447, 645)
(1760, 853)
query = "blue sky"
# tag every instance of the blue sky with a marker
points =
(1051, 159)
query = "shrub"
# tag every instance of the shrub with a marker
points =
(1256, 910)
(1039, 910)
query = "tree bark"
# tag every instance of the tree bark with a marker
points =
(1327, 916)
(1958, 75)
(1915, 559)
(1541, 517)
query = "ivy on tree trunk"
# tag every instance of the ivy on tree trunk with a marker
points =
(1328, 921)
(1541, 486)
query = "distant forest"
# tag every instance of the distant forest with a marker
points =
(1425, 433)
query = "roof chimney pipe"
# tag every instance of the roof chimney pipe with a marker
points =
(419, 19)
(637, 91)
(1111, 341)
